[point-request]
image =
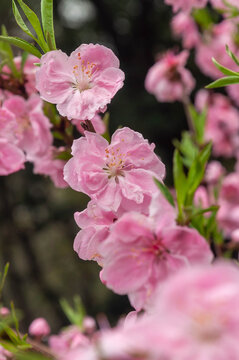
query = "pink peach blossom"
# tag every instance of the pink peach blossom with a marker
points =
(4, 354)
(214, 172)
(168, 79)
(48, 164)
(201, 197)
(116, 175)
(228, 214)
(233, 92)
(29, 72)
(31, 127)
(39, 328)
(95, 226)
(69, 339)
(139, 254)
(213, 44)
(11, 158)
(201, 306)
(222, 122)
(183, 26)
(83, 83)
(186, 5)
(219, 4)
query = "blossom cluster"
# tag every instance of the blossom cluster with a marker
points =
(155, 245)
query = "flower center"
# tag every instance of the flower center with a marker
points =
(83, 74)
(115, 162)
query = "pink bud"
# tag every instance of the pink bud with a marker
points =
(89, 325)
(4, 311)
(39, 328)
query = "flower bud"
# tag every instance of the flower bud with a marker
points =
(39, 328)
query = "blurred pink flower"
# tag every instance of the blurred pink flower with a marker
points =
(48, 164)
(69, 339)
(11, 158)
(168, 79)
(94, 223)
(222, 122)
(116, 175)
(29, 72)
(139, 254)
(228, 214)
(186, 5)
(183, 26)
(83, 83)
(200, 306)
(39, 328)
(31, 128)
(214, 172)
(213, 44)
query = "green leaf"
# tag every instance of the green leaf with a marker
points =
(227, 80)
(180, 181)
(23, 60)
(3, 276)
(47, 22)
(232, 56)
(203, 17)
(64, 155)
(20, 21)
(223, 69)
(203, 211)
(34, 21)
(14, 316)
(196, 172)
(8, 54)
(165, 191)
(75, 315)
(199, 120)
(22, 44)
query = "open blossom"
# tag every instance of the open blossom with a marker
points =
(186, 5)
(30, 128)
(119, 174)
(201, 307)
(83, 83)
(168, 79)
(222, 122)
(183, 26)
(139, 254)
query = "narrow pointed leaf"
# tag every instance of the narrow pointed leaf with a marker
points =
(227, 80)
(7, 52)
(232, 56)
(34, 21)
(20, 21)
(165, 191)
(223, 69)
(22, 44)
(47, 22)
(180, 181)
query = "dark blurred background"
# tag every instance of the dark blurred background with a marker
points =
(37, 228)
